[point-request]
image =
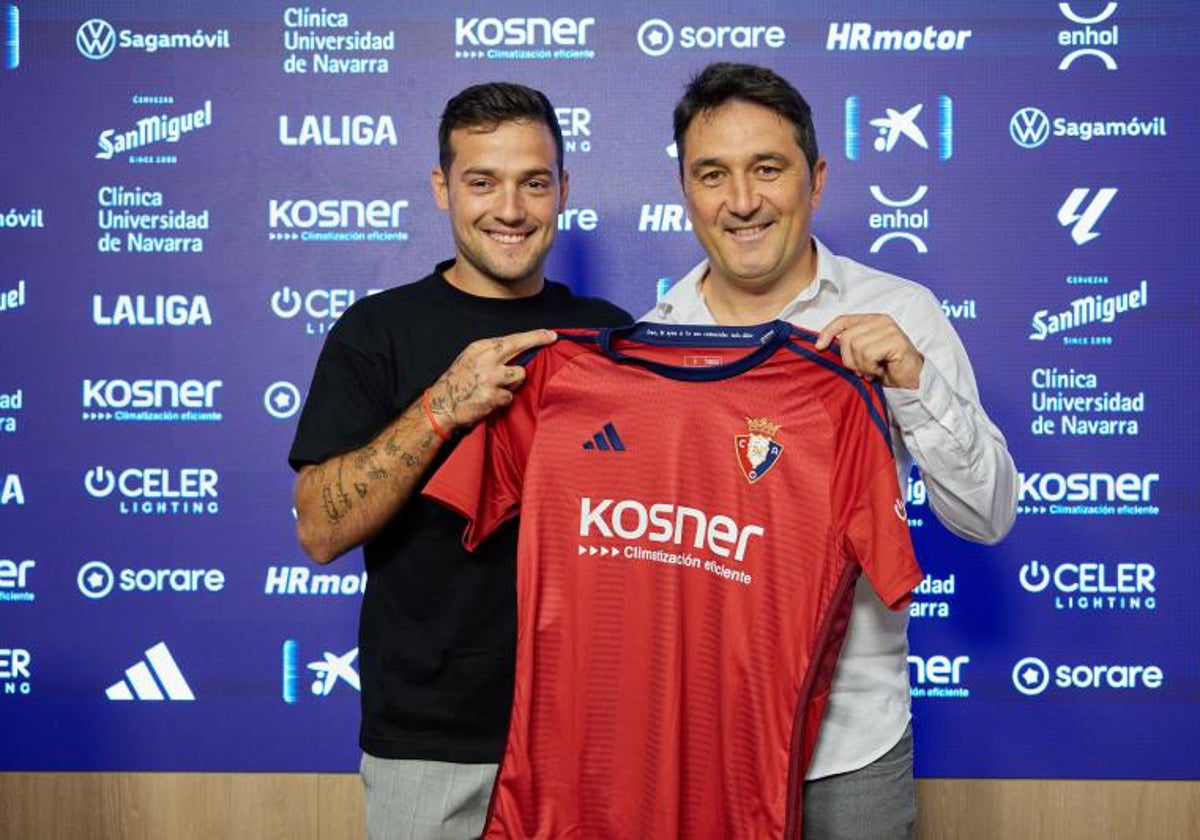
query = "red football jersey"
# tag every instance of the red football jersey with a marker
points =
(696, 504)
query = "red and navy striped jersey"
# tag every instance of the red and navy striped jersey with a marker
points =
(696, 504)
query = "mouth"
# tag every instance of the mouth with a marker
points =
(748, 233)
(507, 237)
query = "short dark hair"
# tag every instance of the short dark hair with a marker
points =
(486, 106)
(719, 83)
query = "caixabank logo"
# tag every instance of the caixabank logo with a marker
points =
(320, 677)
(1033, 677)
(899, 128)
(524, 38)
(657, 37)
(157, 490)
(331, 220)
(1090, 586)
(97, 39)
(151, 400)
(1087, 494)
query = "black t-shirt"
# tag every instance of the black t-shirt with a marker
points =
(437, 634)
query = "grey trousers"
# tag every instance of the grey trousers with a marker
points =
(425, 800)
(877, 802)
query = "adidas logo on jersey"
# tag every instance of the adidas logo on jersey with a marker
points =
(606, 440)
(140, 681)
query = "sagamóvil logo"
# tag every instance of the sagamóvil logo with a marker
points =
(97, 39)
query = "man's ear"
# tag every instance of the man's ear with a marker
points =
(441, 191)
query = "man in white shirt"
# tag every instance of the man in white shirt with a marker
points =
(752, 179)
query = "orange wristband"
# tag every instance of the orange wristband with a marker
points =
(437, 428)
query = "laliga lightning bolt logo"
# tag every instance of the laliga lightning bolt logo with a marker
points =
(757, 451)
(1080, 218)
(95, 39)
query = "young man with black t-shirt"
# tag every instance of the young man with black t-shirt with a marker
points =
(400, 373)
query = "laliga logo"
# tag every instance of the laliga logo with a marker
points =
(1030, 676)
(96, 39)
(99, 482)
(1081, 221)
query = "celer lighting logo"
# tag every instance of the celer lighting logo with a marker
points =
(901, 222)
(1089, 41)
(344, 131)
(336, 220)
(575, 123)
(1081, 221)
(96, 580)
(14, 581)
(16, 675)
(157, 677)
(897, 125)
(523, 38)
(656, 37)
(282, 400)
(938, 677)
(10, 35)
(157, 491)
(1093, 586)
(160, 128)
(320, 307)
(1029, 127)
(864, 37)
(1032, 676)
(327, 672)
(96, 39)
(1085, 311)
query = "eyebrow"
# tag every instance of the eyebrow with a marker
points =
(491, 173)
(758, 158)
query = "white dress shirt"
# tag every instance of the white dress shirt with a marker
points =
(940, 426)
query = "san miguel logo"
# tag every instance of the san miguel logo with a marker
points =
(757, 451)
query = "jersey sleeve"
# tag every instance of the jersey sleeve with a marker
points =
(482, 480)
(873, 519)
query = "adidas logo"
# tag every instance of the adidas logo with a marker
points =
(606, 439)
(140, 681)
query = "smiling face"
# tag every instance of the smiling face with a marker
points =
(750, 197)
(503, 192)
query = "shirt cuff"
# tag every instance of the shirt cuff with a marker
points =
(929, 402)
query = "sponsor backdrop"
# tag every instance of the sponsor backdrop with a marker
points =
(194, 193)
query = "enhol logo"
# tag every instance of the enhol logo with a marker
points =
(96, 39)
(1029, 127)
(1088, 40)
(900, 222)
(656, 37)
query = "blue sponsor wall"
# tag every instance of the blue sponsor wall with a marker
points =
(192, 195)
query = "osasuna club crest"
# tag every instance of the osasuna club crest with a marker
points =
(757, 451)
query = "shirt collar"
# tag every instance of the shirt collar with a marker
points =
(684, 303)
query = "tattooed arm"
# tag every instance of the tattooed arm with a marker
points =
(344, 501)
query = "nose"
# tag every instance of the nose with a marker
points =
(743, 199)
(511, 208)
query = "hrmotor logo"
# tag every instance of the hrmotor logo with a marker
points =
(317, 309)
(97, 39)
(157, 491)
(1093, 585)
(657, 37)
(1033, 676)
(861, 36)
(336, 220)
(96, 579)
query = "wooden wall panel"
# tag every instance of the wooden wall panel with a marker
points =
(307, 806)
